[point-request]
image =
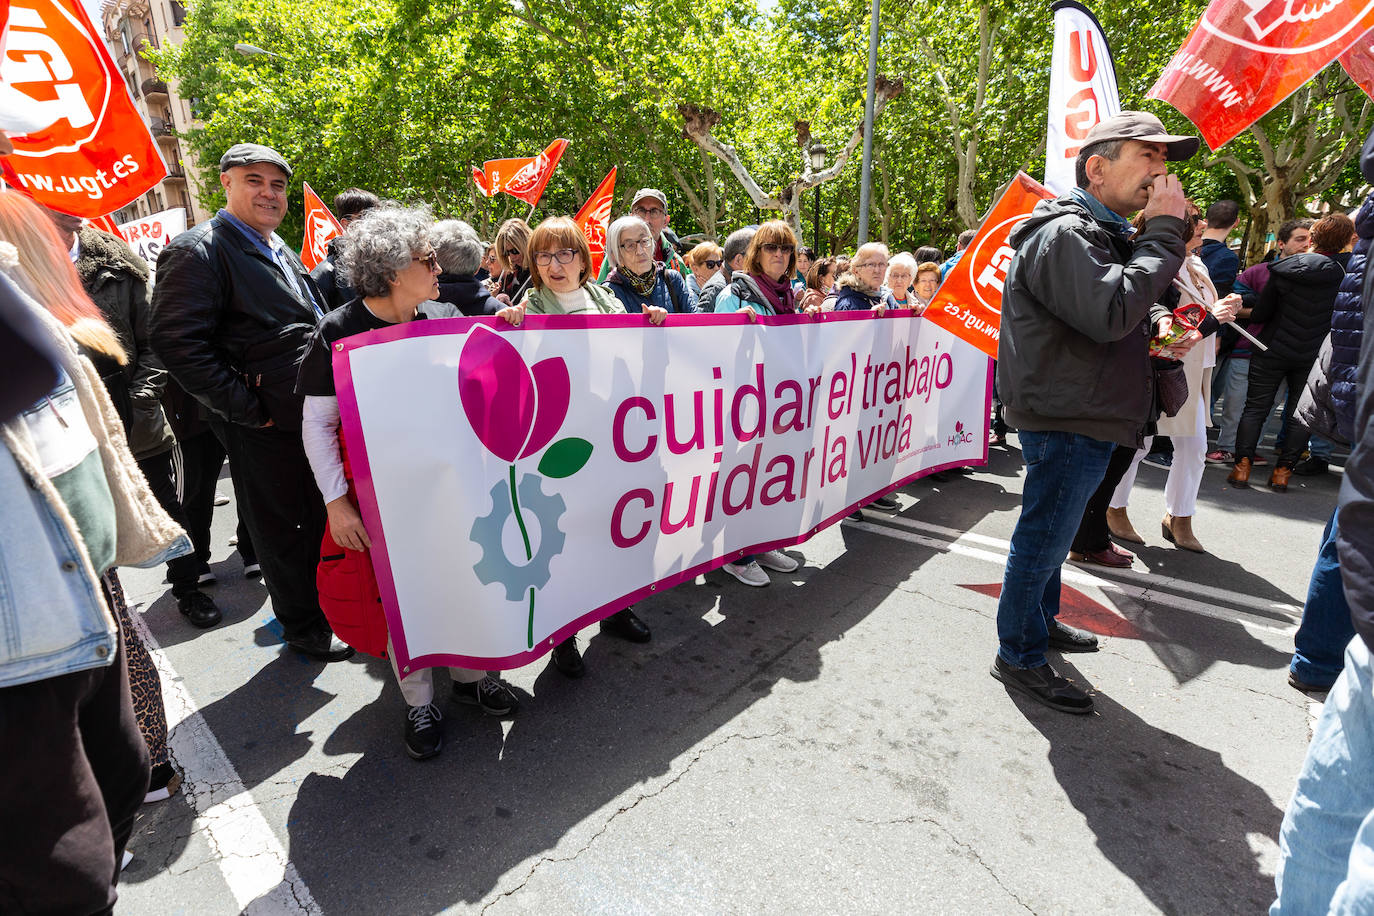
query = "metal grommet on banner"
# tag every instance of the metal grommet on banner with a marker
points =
(406, 669)
(339, 347)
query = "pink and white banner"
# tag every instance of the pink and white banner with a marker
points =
(519, 484)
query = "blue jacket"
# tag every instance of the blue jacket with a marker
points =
(1222, 265)
(1347, 325)
(670, 292)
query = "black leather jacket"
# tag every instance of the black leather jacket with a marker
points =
(229, 327)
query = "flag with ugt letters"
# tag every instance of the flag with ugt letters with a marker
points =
(595, 217)
(969, 302)
(522, 178)
(1082, 90)
(87, 151)
(1244, 57)
(320, 226)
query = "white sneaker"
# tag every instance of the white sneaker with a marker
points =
(777, 561)
(221, 499)
(128, 857)
(749, 574)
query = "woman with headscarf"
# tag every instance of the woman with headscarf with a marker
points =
(635, 278)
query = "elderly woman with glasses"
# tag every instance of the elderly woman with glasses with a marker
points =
(389, 259)
(901, 274)
(861, 286)
(705, 262)
(560, 280)
(635, 277)
(514, 280)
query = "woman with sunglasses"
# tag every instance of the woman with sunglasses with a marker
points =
(705, 261)
(514, 279)
(389, 259)
(1188, 428)
(635, 278)
(560, 275)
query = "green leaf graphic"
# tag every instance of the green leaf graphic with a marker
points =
(565, 457)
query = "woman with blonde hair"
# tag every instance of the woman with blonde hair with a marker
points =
(512, 240)
(861, 286)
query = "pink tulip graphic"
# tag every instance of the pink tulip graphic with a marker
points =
(516, 410)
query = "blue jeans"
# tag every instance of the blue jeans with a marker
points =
(1062, 471)
(1327, 839)
(1326, 628)
(1320, 447)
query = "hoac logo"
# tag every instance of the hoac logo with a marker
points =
(1286, 26)
(961, 436)
(55, 64)
(516, 410)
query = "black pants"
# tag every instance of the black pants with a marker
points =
(1093, 534)
(182, 571)
(1266, 375)
(73, 774)
(285, 515)
(200, 458)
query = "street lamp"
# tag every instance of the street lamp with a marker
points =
(248, 50)
(818, 153)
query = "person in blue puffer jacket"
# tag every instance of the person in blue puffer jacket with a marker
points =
(635, 277)
(1327, 408)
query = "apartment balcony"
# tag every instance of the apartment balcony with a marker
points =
(176, 175)
(153, 86)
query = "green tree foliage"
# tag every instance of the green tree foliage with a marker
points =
(405, 96)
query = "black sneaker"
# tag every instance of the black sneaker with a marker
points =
(567, 659)
(1043, 685)
(490, 694)
(886, 504)
(1311, 467)
(199, 610)
(424, 736)
(162, 783)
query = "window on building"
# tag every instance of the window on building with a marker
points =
(178, 13)
(149, 35)
(125, 39)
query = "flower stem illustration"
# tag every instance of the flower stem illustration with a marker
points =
(529, 554)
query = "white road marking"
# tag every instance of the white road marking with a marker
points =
(254, 865)
(1077, 576)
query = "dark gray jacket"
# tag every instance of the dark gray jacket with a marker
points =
(1356, 539)
(1073, 354)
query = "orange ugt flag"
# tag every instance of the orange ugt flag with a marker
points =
(320, 227)
(595, 217)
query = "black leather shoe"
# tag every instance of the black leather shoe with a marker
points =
(199, 610)
(322, 646)
(567, 659)
(857, 515)
(1071, 639)
(625, 625)
(1044, 686)
(1299, 684)
(886, 504)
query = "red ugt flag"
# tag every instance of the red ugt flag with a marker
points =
(320, 227)
(595, 217)
(528, 183)
(1244, 57)
(88, 151)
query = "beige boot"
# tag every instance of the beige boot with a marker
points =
(1179, 530)
(1120, 526)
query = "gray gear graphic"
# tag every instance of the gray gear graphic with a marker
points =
(495, 566)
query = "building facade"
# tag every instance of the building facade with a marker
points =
(130, 26)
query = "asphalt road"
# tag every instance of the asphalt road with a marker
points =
(832, 743)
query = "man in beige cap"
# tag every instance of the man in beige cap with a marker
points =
(651, 205)
(233, 308)
(1073, 369)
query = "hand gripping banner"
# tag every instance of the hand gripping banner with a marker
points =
(1243, 57)
(969, 303)
(1082, 90)
(89, 152)
(520, 484)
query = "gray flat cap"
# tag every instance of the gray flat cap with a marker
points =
(1143, 126)
(249, 153)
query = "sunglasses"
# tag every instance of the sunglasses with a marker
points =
(512, 252)
(715, 264)
(430, 260)
(771, 248)
(562, 255)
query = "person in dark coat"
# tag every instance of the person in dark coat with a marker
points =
(1327, 839)
(1295, 308)
(635, 277)
(460, 254)
(348, 206)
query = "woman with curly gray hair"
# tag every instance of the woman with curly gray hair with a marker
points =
(389, 258)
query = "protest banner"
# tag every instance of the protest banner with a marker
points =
(594, 218)
(148, 236)
(524, 178)
(320, 226)
(1244, 57)
(1082, 90)
(969, 302)
(519, 484)
(89, 151)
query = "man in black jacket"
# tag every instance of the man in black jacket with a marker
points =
(1073, 369)
(233, 309)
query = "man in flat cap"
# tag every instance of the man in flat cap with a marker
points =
(1073, 369)
(651, 205)
(233, 308)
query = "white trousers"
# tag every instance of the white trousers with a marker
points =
(1185, 476)
(418, 687)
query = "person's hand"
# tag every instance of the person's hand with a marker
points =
(513, 314)
(811, 300)
(879, 310)
(657, 314)
(1163, 325)
(1179, 348)
(346, 525)
(748, 311)
(1166, 199)
(1226, 309)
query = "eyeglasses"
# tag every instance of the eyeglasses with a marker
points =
(714, 265)
(430, 260)
(512, 252)
(771, 248)
(647, 211)
(881, 265)
(641, 244)
(563, 256)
